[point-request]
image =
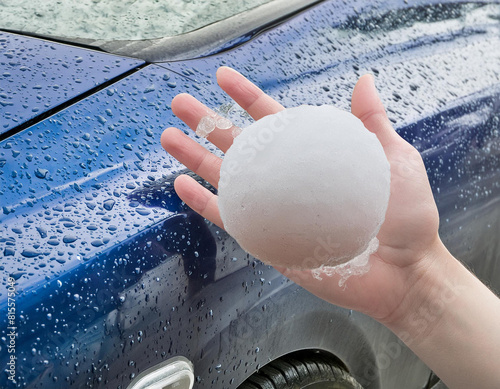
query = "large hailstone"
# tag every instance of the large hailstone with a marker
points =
(305, 188)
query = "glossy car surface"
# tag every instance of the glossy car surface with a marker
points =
(115, 275)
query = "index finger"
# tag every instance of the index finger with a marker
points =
(248, 96)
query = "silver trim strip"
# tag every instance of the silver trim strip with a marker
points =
(175, 372)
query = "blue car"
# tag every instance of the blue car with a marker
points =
(110, 281)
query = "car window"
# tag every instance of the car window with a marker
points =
(117, 19)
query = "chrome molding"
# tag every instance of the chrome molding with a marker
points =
(175, 372)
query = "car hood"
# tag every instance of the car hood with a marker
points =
(37, 76)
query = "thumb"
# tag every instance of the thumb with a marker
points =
(367, 106)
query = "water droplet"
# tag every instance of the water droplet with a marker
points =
(236, 131)
(101, 119)
(41, 173)
(149, 89)
(205, 126)
(97, 243)
(143, 211)
(223, 123)
(69, 238)
(18, 274)
(108, 204)
(8, 251)
(42, 231)
(28, 253)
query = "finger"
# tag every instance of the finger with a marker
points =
(247, 95)
(368, 107)
(193, 155)
(190, 111)
(200, 199)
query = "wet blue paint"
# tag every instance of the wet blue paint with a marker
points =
(37, 75)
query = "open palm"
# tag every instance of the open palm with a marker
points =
(407, 236)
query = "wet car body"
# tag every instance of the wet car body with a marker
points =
(115, 275)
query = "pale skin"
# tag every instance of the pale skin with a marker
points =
(414, 286)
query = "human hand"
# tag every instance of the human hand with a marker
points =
(407, 239)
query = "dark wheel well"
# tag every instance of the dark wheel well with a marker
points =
(301, 369)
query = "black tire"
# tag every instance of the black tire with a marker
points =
(307, 371)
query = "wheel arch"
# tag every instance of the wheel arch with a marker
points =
(293, 322)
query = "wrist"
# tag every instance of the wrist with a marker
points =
(450, 320)
(433, 285)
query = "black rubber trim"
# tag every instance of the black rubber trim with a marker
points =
(54, 39)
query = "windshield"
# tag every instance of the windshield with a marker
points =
(117, 19)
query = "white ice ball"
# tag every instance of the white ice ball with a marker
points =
(306, 187)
